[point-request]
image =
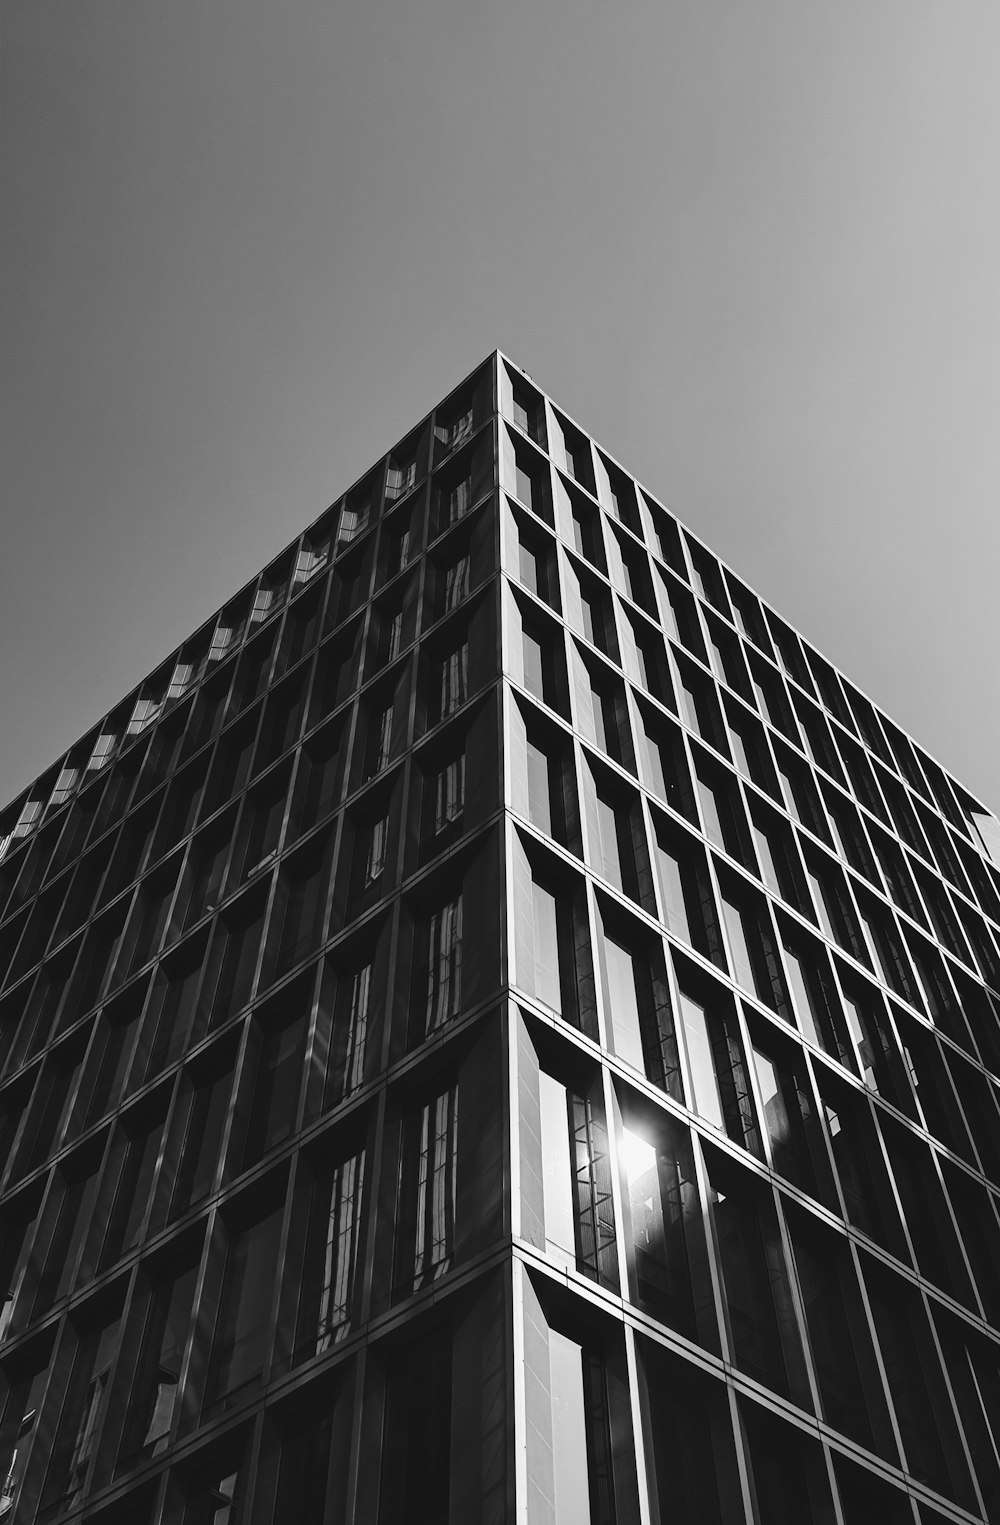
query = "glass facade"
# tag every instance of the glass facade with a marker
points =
(497, 1028)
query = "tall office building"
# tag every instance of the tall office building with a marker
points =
(496, 1029)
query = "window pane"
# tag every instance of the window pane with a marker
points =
(557, 1177)
(707, 1101)
(622, 1002)
(546, 936)
(672, 888)
(539, 811)
(532, 661)
(569, 1432)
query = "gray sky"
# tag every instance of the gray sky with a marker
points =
(752, 246)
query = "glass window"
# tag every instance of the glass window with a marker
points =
(243, 1328)
(545, 933)
(152, 1397)
(394, 636)
(455, 679)
(663, 1211)
(416, 1449)
(136, 1165)
(539, 797)
(527, 567)
(375, 861)
(80, 1420)
(379, 742)
(400, 478)
(459, 429)
(444, 963)
(707, 1099)
(719, 1080)
(357, 1028)
(456, 583)
(607, 856)
(329, 1259)
(621, 999)
(20, 1413)
(557, 1171)
(71, 1205)
(581, 1436)
(762, 1326)
(458, 499)
(576, 1183)
(534, 675)
(201, 1120)
(449, 793)
(427, 1193)
(312, 1469)
(274, 1106)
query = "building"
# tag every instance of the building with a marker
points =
(498, 1029)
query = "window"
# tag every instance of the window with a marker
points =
(201, 1121)
(71, 1206)
(16, 1244)
(144, 713)
(375, 861)
(534, 673)
(528, 413)
(706, 1097)
(606, 848)
(686, 894)
(459, 429)
(427, 1193)
(80, 1420)
(313, 1468)
(543, 978)
(621, 999)
(379, 742)
(133, 1160)
(456, 583)
(308, 562)
(243, 1328)
(930, 1440)
(394, 636)
(449, 793)
(457, 500)
(353, 519)
(16, 1428)
(104, 748)
(663, 1210)
(401, 477)
(416, 1450)
(576, 1183)
(357, 1028)
(232, 963)
(527, 567)
(153, 1394)
(582, 1474)
(444, 963)
(787, 1110)
(539, 796)
(454, 679)
(215, 1501)
(523, 484)
(762, 1329)
(330, 1258)
(753, 952)
(719, 1083)
(697, 1479)
(274, 1104)
(400, 541)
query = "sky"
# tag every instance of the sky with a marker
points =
(752, 246)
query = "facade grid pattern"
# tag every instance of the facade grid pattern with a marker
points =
(498, 1028)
